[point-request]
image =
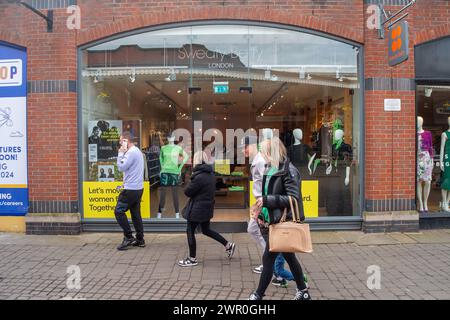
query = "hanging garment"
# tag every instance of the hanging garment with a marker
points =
(425, 157)
(446, 177)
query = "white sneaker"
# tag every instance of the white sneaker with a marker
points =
(258, 269)
(159, 215)
(177, 215)
(188, 262)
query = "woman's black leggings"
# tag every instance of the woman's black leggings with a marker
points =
(268, 265)
(191, 226)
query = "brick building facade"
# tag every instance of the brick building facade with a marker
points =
(389, 137)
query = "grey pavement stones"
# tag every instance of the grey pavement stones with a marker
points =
(412, 266)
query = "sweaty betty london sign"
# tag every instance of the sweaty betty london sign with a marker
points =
(214, 59)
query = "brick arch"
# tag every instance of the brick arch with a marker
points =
(12, 38)
(430, 34)
(292, 17)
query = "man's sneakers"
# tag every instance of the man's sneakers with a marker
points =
(280, 282)
(188, 262)
(258, 269)
(229, 249)
(302, 295)
(126, 243)
(139, 243)
(255, 296)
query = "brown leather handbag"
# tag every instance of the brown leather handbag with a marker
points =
(290, 236)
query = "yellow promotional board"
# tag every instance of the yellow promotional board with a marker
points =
(100, 199)
(222, 166)
(310, 193)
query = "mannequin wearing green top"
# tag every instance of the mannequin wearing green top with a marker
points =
(445, 167)
(170, 173)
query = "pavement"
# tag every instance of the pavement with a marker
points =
(344, 265)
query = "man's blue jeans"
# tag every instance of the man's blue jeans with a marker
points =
(279, 270)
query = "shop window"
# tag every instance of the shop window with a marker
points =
(205, 80)
(433, 148)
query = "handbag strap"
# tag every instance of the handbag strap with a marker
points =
(295, 209)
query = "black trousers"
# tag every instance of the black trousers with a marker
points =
(206, 230)
(268, 266)
(130, 200)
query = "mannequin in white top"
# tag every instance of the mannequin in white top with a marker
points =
(423, 187)
(444, 164)
(298, 137)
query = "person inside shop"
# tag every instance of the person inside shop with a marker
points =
(200, 208)
(131, 162)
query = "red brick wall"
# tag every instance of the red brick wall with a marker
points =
(391, 136)
(52, 56)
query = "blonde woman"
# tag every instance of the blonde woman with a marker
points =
(280, 181)
(200, 208)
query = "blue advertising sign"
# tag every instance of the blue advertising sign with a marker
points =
(13, 131)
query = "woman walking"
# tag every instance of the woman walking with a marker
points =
(280, 181)
(200, 208)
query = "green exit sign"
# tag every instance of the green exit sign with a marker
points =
(221, 87)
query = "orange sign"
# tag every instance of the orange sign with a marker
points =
(398, 43)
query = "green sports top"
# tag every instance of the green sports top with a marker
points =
(170, 159)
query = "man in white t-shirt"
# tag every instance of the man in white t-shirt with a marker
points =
(257, 168)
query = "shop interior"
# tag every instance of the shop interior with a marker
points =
(155, 96)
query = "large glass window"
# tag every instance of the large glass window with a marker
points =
(203, 82)
(433, 148)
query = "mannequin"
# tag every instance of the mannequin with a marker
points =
(299, 153)
(267, 134)
(341, 151)
(445, 167)
(424, 165)
(170, 173)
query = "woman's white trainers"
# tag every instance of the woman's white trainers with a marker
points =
(231, 247)
(188, 262)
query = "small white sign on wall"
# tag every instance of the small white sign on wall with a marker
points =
(392, 105)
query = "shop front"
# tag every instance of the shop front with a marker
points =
(433, 135)
(206, 85)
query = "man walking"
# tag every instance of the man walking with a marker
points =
(131, 162)
(250, 149)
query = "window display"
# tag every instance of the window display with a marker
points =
(173, 86)
(433, 149)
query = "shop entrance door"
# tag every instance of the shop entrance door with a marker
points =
(219, 109)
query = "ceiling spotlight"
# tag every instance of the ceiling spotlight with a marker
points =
(225, 118)
(198, 109)
(341, 79)
(170, 106)
(179, 91)
(262, 114)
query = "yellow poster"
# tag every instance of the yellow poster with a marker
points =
(310, 193)
(222, 167)
(100, 199)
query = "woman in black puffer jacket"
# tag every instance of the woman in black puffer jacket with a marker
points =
(280, 181)
(200, 208)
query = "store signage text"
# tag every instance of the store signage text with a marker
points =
(392, 105)
(10, 73)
